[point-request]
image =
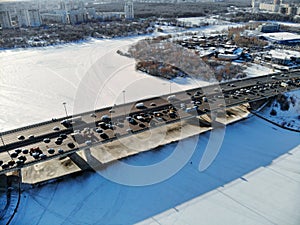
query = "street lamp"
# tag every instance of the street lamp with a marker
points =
(2, 138)
(64, 104)
(124, 101)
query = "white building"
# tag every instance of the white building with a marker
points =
(128, 8)
(59, 16)
(268, 7)
(23, 18)
(5, 19)
(255, 5)
(78, 16)
(35, 19)
(92, 13)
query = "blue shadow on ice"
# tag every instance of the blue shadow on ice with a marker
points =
(91, 199)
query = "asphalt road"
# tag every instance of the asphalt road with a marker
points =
(123, 120)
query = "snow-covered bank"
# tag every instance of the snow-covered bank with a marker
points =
(285, 111)
(249, 145)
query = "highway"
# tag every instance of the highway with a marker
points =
(63, 136)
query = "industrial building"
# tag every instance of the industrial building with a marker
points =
(284, 38)
(269, 27)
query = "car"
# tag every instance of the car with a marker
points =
(104, 136)
(152, 104)
(19, 162)
(129, 130)
(42, 156)
(88, 142)
(132, 121)
(35, 155)
(25, 151)
(51, 151)
(58, 141)
(21, 137)
(99, 131)
(105, 118)
(141, 125)
(63, 136)
(60, 151)
(11, 163)
(172, 115)
(5, 166)
(31, 136)
(140, 105)
(18, 151)
(56, 128)
(14, 155)
(71, 145)
(47, 140)
(22, 158)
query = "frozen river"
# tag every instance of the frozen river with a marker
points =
(254, 179)
(246, 184)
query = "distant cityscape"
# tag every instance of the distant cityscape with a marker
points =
(277, 6)
(36, 13)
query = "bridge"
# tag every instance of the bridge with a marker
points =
(62, 137)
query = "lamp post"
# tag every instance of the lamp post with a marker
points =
(2, 138)
(64, 104)
(124, 101)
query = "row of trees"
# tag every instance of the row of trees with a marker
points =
(235, 34)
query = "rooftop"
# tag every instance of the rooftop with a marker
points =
(281, 36)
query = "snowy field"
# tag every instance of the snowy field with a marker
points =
(254, 70)
(246, 184)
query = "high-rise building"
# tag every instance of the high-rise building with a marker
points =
(255, 5)
(128, 8)
(5, 19)
(62, 5)
(78, 16)
(34, 17)
(23, 18)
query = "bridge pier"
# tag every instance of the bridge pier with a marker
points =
(80, 162)
(257, 104)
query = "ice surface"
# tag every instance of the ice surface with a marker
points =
(223, 194)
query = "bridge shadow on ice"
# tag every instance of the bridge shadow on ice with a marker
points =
(91, 199)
